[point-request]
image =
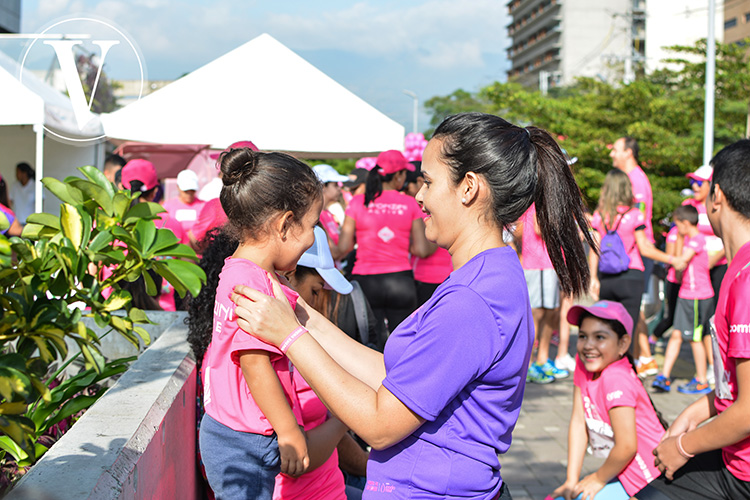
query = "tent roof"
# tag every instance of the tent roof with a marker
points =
(263, 92)
(20, 105)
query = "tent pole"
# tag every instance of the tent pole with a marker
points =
(39, 130)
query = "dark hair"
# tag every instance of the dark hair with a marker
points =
(26, 169)
(620, 331)
(732, 173)
(632, 144)
(374, 184)
(136, 186)
(686, 213)
(260, 185)
(523, 166)
(200, 320)
(3, 192)
(114, 160)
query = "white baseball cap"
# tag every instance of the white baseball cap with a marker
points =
(319, 257)
(187, 180)
(327, 173)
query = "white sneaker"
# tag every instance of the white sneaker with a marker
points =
(565, 362)
(710, 376)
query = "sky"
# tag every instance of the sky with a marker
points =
(376, 49)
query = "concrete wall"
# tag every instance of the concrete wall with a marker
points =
(137, 441)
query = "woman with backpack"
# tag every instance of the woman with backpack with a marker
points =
(617, 272)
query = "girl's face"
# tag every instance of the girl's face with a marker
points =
(439, 198)
(331, 193)
(297, 237)
(598, 345)
(308, 287)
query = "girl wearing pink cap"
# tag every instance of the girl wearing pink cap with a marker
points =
(612, 413)
(387, 225)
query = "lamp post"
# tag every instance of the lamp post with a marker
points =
(708, 125)
(413, 95)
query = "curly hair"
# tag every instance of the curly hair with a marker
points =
(219, 246)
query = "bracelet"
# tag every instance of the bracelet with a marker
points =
(291, 338)
(681, 449)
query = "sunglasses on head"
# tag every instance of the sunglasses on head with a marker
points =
(696, 182)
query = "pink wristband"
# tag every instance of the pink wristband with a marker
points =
(291, 338)
(681, 449)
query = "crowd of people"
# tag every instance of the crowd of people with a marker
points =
(370, 335)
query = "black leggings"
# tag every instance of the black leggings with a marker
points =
(625, 288)
(671, 292)
(392, 296)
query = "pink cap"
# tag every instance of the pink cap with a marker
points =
(703, 173)
(392, 161)
(604, 309)
(140, 170)
(236, 145)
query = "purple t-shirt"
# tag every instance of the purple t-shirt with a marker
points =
(460, 363)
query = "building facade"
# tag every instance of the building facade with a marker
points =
(736, 21)
(555, 41)
(10, 16)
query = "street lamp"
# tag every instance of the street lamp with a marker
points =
(413, 95)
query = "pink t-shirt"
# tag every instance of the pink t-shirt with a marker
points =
(533, 250)
(433, 269)
(643, 198)
(383, 232)
(713, 242)
(618, 385)
(631, 222)
(732, 342)
(330, 225)
(211, 215)
(324, 483)
(672, 237)
(696, 278)
(185, 214)
(227, 397)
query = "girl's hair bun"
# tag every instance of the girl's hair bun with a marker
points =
(237, 165)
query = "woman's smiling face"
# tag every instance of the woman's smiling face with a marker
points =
(598, 345)
(439, 198)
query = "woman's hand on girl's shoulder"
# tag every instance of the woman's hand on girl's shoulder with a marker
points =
(565, 490)
(268, 318)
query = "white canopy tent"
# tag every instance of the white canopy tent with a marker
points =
(263, 92)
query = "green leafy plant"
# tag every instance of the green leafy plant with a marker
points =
(62, 270)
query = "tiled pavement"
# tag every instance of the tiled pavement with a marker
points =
(536, 462)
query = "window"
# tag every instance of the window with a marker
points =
(731, 23)
(747, 17)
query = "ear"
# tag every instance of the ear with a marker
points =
(716, 200)
(284, 224)
(623, 345)
(469, 187)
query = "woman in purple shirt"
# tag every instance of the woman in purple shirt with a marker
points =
(440, 404)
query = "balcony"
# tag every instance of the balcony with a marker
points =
(550, 15)
(526, 7)
(538, 45)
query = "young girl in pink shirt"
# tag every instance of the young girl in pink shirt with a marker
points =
(251, 429)
(611, 411)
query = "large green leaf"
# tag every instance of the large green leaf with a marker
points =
(118, 300)
(95, 175)
(4, 223)
(44, 219)
(145, 232)
(144, 210)
(164, 239)
(19, 430)
(95, 192)
(189, 274)
(178, 251)
(66, 193)
(100, 241)
(37, 231)
(71, 224)
(120, 204)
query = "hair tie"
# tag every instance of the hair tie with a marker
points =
(527, 132)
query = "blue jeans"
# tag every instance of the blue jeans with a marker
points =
(611, 491)
(239, 465)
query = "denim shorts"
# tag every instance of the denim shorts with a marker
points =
(239, 465)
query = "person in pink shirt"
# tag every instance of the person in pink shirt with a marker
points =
(386, 224)
(694, 299)
(616, 210)
(186, 206)
(251, 429)
(672, 285)
(706, 451)
(331, 180)
(612, 412)
(210, 216)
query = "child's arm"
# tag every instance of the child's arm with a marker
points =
(622, 419)
(352, 458)
(647, 249)
(322, 440)
(578, 438)
(267, 392)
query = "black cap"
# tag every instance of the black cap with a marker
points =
(358, 176)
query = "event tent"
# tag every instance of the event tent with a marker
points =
(263, 92)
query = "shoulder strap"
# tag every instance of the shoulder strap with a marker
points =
(622, 215)
(360, 312)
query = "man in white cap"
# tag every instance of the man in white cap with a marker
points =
(186, 206)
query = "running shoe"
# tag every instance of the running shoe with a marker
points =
(566, 362)
(550, 369)
(710, 376)
(695, 387)
(537, 376)
(647, 369)
(662, 383)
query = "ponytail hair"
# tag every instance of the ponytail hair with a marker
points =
(259, 185)
(374, 184)
(523, 166)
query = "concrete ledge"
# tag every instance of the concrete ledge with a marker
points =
(137, 441)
